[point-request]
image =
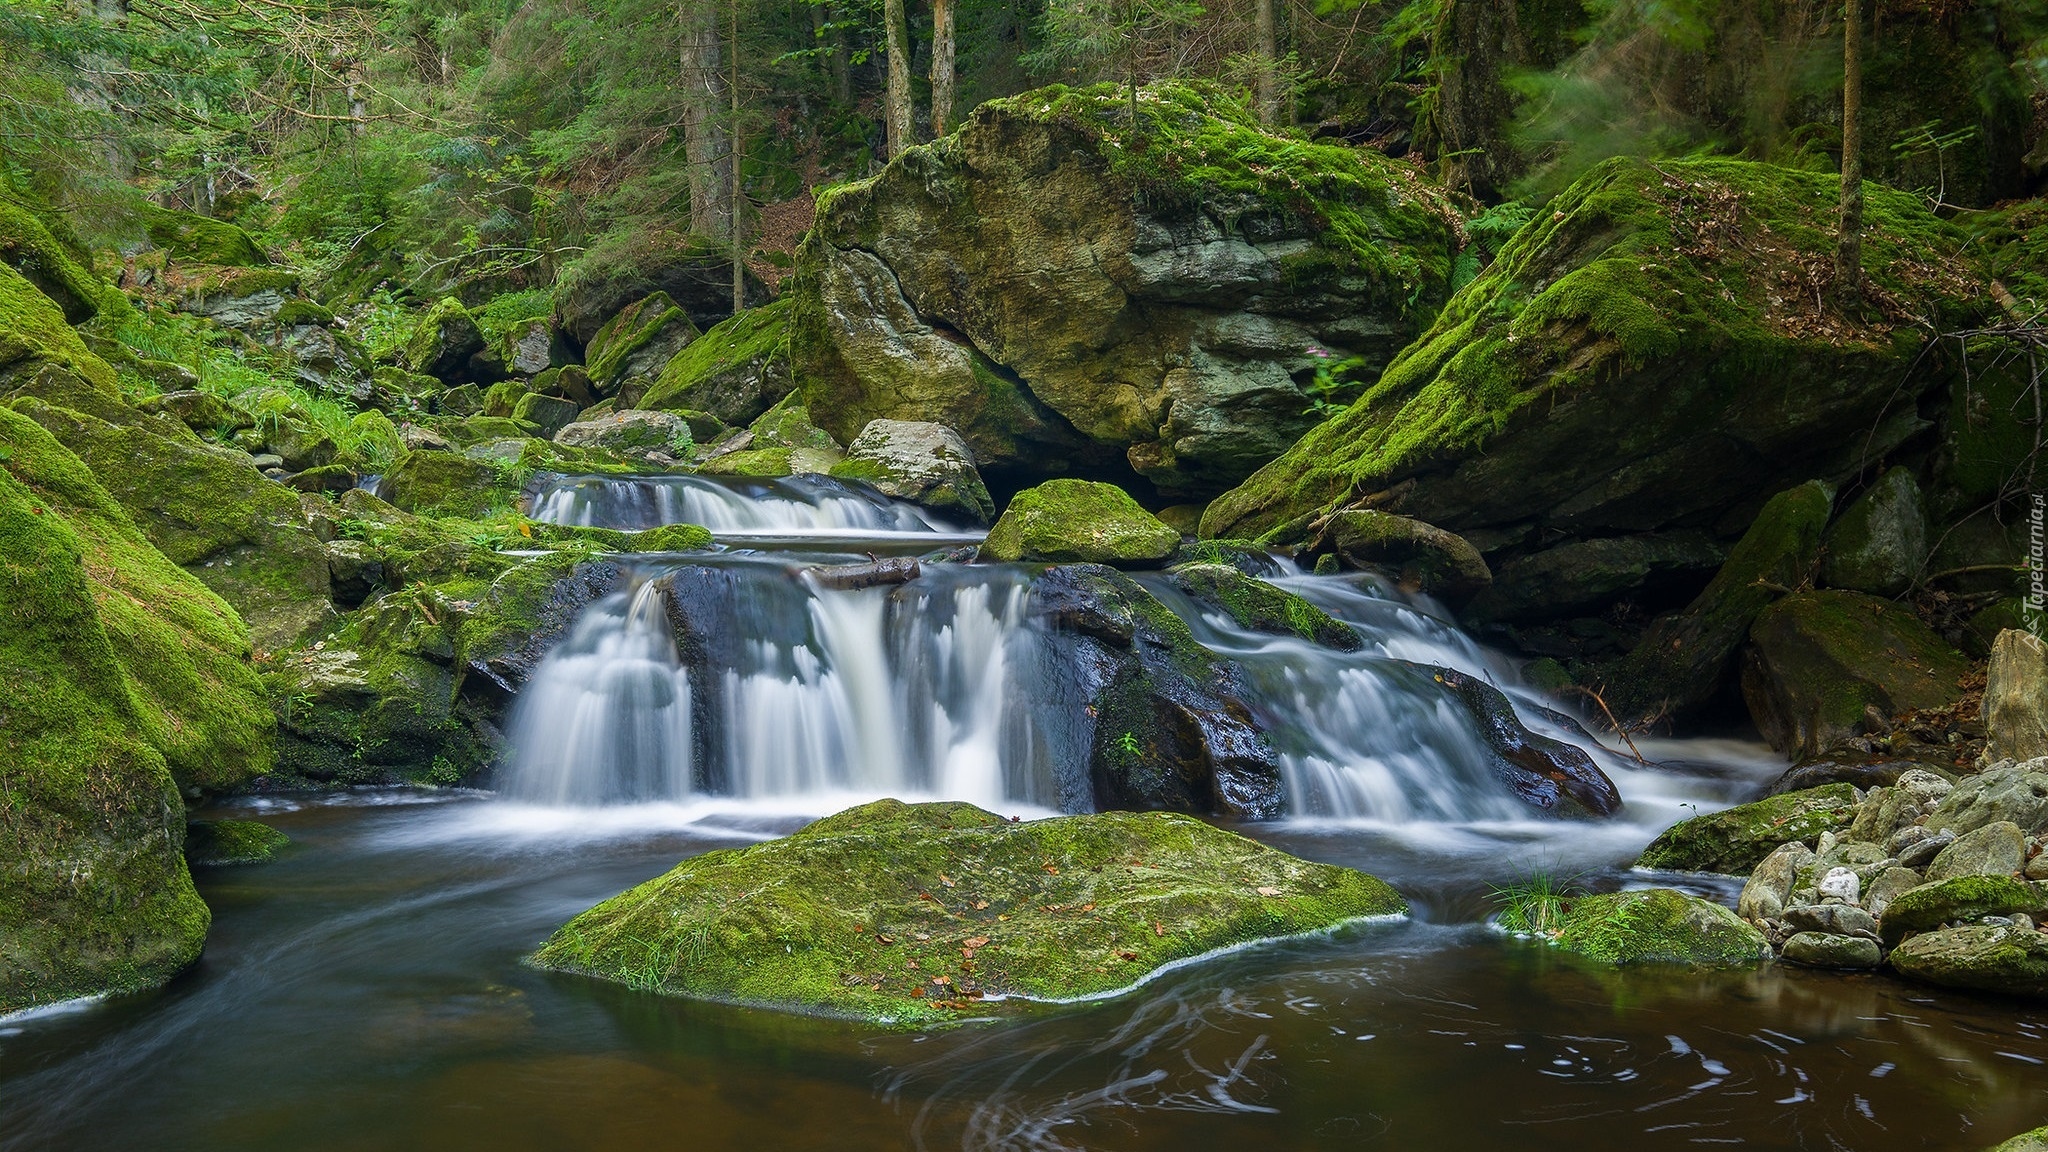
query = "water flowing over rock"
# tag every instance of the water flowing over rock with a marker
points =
(921, 462)
(1071, 306)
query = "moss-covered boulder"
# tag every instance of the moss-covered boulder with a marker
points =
(1825, 666)
(691, 270)
(208, 509)
(1930, 906)
(448, 484)
(1420, 555)
(220, 843)
(1254, 604)
(1160, 721)
(1068, 301)
(1586, 577)
(736, 371)
(1684, 660)
(443, 341)
(2003, 958)
(202, 239)
(1635, 360)
(2035, 1141)
(126, 678)
(1879, 543)
(1659, 926)
(918, 914)
(639, 341)
(27, 247)
(780, 442)
(1734, 840)
(1079, 521)
(33, 333)
(657, 437)
(548, 414)
(921, 462)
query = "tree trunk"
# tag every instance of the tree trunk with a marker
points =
(1849, 239)
(1268, 52)
(942, 67)
(735, 228)
(897, 106)
(842, 64)
(705, 144)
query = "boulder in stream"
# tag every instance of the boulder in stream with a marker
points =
(914, 914)
(1658, 926)
(1079, 521)
(921, 462)
(1735, 840)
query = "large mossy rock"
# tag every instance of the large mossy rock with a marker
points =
(1633, 362)
(443, 342)
(1659, 926)
(1079, 521)
(2035, 1141)
(1879, 543)
(202, 239)
(1685, 659)
(27, 246)
(33, 334)
(1735, 840)
(1069, 300)
(921, 462)
(125, 680)
(1999, 958)
(208, 509)
(639, 341)
(694, 272)
(1930, 906)
(1825, 666)
(916, 914)
(1437, 562)
(1162, 722)
(736, 371)
(1589, 576)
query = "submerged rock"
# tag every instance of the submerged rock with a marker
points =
(921, 462)
(916, 914)
(1825, 666)
(1735, 840)
(1069, 521)
(1659, 926)
(217, 843)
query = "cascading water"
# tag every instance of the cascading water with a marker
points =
(742, 674)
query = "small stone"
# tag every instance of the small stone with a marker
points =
(1764, 897)
(1905, 838)
(1923, 851)
(1888, 886)
(1993, 850)
(1842, 884)
(1825, 950)
(1833, 920)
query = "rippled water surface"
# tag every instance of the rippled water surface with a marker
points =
(365, 992)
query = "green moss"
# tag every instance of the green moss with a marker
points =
(719, 372)
(214, 843)
(371, 443)
(27, 247)
(2035, 1141)
(1824, 661)
(297, 312)
(1064, 521)
(1659, 926)
(1676, 276)
(610, 353)
(1197, 143)
(760, 462)
(450, 484)
(202, 239)
(1261, 607)
(915, 914)
(672, 538)
(32, 328)
(443, 340)
(1737, 839)
(1962, 898)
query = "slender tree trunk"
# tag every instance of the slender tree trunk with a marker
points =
(1269, 65)
(842, 64)
(942, 67)
(897, 105)
(705, 145)
(1849, 240)
(736, 228)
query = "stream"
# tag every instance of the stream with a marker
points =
(365, 991)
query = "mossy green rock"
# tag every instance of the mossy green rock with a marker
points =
(202, 239)
(33, 332)
(1659, 926)
(1982, 957)
(639, 341)
(27, 247)
(218, 843)
(443, 341)
(1438, 562)
(672, 538)
(1685, 659)
(1629, 363)
(1962, 898)
(2035, 1141)
(1070, 302)
(736, 371)
(1825, 666)
(125, 678)
(447, 484)
(1261, 607)
(1079, 521)
(1735, 840)
(915, 914)
(1879, 543)
(921, 462)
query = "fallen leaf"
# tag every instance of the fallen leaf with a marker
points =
(946, 880)
(942, 978)
(980, 904)
(975, 942)
(918, 991)
(910, 964)
(1158, 929)
(1087, 907)
(1128, 955)
(967, 953)
(1265, 891)
(880, 939)
(1050, 869)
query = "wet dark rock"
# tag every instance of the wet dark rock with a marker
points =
(1170, 728)
(1586, 576)
(876, 574)
(1549, 775)
(1846, 767)
(1440, 563)
(1262, 607)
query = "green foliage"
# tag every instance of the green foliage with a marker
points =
(1535, 904)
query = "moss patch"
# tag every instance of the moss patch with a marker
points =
(202, 239)
(27, 247)
(1659, 926)
(1737, 839)
(1261, 607)
(215, 843)
(1078, 521)
(735, 371)
(915, 914)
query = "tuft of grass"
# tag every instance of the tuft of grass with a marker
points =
(1534, 905)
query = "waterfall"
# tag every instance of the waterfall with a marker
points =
(740, 674)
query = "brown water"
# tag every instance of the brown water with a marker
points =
(365, 992)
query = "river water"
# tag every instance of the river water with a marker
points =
(365, 990)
